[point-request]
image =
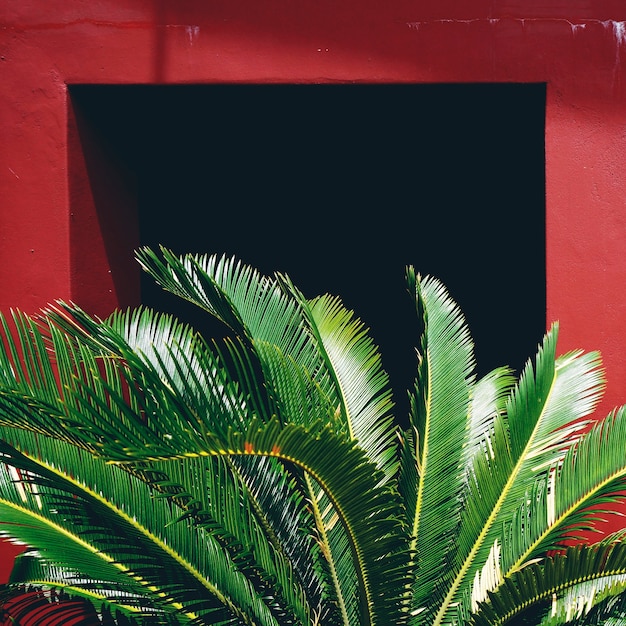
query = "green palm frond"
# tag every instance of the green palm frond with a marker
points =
(563, 585)
(442, 401)
(562, 394)
(31, 571)
(64, 605)
(259, 309)
(581, 599)
(355, 363)
(321, 337)
(369, 511)
(284, 376)
(580, 490)
(488, 402)
(161, 558)
(548, 407)
(279, 501)
(233, 292)
(230, 500)
(40, 515)
(338, 365)
(176, 431)
(609, 609)
(335, 546)
(167, 478)
(188, 380)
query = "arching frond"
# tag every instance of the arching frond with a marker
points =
(65, 605)
(548, 408)
(159, 555)
(562, 587)
(488, 402)
(258, 308)
(354, 362)
(268, 541)
(260, 479)
(581, 489)
(373, 528)
(609, 610)
(58, 584)
(441, 406)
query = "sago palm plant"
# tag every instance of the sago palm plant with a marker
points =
(159, 477)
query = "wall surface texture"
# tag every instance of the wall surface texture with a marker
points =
(54, 245)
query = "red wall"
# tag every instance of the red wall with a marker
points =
(52, 239)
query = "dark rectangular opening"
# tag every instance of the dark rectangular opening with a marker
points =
(342, 186)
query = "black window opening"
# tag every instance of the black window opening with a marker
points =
(341, 187)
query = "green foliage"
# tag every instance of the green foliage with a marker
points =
(160, 477)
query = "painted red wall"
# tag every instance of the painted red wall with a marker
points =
(52, 239)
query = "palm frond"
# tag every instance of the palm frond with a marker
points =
(279, 501)
(369, 511)
(564, 584)
(581, 599)
(488, 402)
(609, 609)
(322, 337)
(267, 541)
(31, 571)
(258, 308)
(354, 362)
(261, 479)
(442, 400)
(162, 560)
(369, 523)
(30, 606)
(337, 566)
(279, 371)
(548, 408)
(578, 492)
(563, 392)
(33, 518)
